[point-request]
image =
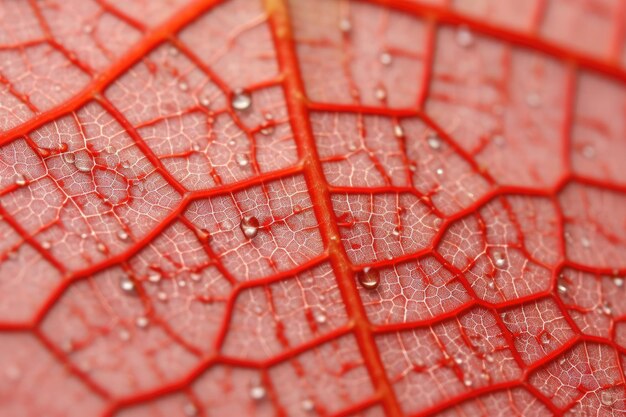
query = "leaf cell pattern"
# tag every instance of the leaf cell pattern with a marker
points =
(194, 192)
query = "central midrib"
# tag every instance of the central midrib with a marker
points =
(320, 196)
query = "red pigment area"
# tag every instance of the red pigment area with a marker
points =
(298, 208)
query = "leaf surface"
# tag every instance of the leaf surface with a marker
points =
(296, 208)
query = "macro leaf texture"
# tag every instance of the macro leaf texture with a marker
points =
(312, 208)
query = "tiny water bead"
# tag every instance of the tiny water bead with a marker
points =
(398, 131)
(241, 100)
(345, 25)
(434, 142)
(257, 392)
(499, 259)
(607, 398)
(126, 284)
(69, 157)
(619, 282)
(20, 180)
(385, 58)
(83, 161)
(308, 405)
(142, 322)
(250, 226)
(242, 159)
(369, 278)
(464, 37)
(122, 235)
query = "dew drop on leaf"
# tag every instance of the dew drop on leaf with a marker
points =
(606, 397)
(398, 131)
(142, 322)
(308, 405)
(250, 226)
(83, 161)
(369, 278)
(545, 338)
(385, 58)
(183, 86)
(154, 277)
(46, 244)
(464, 37)
(434, 142)
(345, 25)
(69, 157)
(242, 159)
(122, 235)
(439, 171)
(241, 100)
(619, 282)
(467, 382)
(320, 317)
(20, 180)
(257, 392)
(380, 93)
(126, 284)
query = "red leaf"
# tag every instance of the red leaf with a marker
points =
(354, 208)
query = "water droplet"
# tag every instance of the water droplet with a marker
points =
(380, 93)
(126, 164)
(101, 247)
(606, 308)
(562, 360)
(190, 409)
(122, 235)
(561, 286)
(585, 242)
(498, 140)
(545, 338)
(124, 335)
(205, 101)
(162, 296)
(126, 284)
(396, 231)
(182, 283)
(241, 100)
(242, 159)
(173, 51)
(297, 209)
(83, 161)
(258, 392)
(345, 25)
(491, 285)
(619, 282)
(434, 142)
(195, 277)
(320, 317)
(489, 358)
(46, 244)
(458, 361)
(606, 397)
(183, 86)
(69, 157)
(467, 382)
(439, 171)
(533, 100)
(386, 58)
(154, 277)
(464, 37)
(369, 278)
(267, 129)
(398, 131)
(250, 226)
(500, 261)
(308, 405)
(20, 180)
(142, 322)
